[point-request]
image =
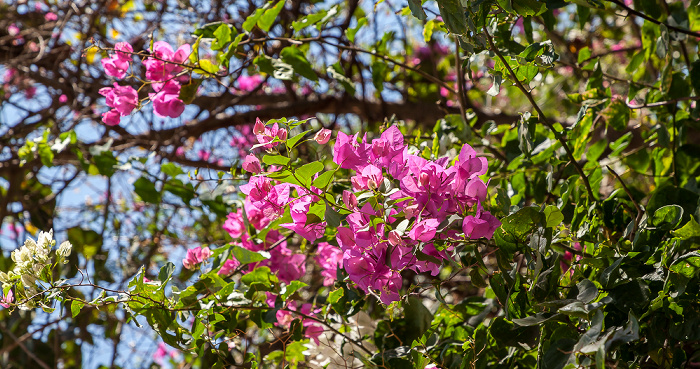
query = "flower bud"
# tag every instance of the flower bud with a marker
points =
(259, 127)
(252, 164)
(322, 136)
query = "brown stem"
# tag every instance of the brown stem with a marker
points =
(542, 117)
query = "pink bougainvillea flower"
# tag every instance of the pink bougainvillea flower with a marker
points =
(13, 30)
(111, 118)
(123, 99)
(164, 64)
(265, 135)
(323, 136)
(249, 83)
(7, 299)
(117, 65)
(229, 266)
(350, 200)
(348, 153)
(50, 17)
(234, 224)
(424, 230)
(329, 258)
(196, 256)
(252, 164)
(166, 101)
(481, 225)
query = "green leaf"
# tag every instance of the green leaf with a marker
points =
(245, 256)
(690, 229)
(222, 36)
(147, 190)
(332, 217)
(292, 142)
(207, 66)
(587, 291)
(276, 160)
(667, 217)
(524, 71)
(323, 179)
(417, 9)
(523, 7)
(295, 57)
(308, 20)
(166, 272)
(291, 288)
(687, 265)
(306, 172)
(269, 16)
(542, 52)
(171, 169)
(453, 15)
(336, 72)
(260, 276)
(75, 307)
(351, 32)
(553, 216)
(252, 19)
(536, 319)
(428, 30)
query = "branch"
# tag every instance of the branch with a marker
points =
(652, 20)
(542, 117)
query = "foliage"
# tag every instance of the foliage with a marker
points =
(521, 189)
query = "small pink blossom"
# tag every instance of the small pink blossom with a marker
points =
(424, 230)
(13, 30)
(196, 256)
(63, 99)
(229, 266)
(249, 83)
(50, 17)
(323, 136)
(122, 98)
(7, 299)
(234, 224)
(117, 65)
(111, 118)
(166, 101)
(252, 164)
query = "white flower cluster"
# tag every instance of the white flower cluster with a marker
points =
(30, 261)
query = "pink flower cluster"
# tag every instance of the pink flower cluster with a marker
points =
(427, 193)
(435, 205)
(162, 69)
(122, 99)
(195, 257)
(266, 135)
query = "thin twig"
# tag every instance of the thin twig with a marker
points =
(542, 117)
(652, 20)
(640, 212)
(662, 103)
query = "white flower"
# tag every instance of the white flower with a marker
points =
(45, 239)
(65, 249)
